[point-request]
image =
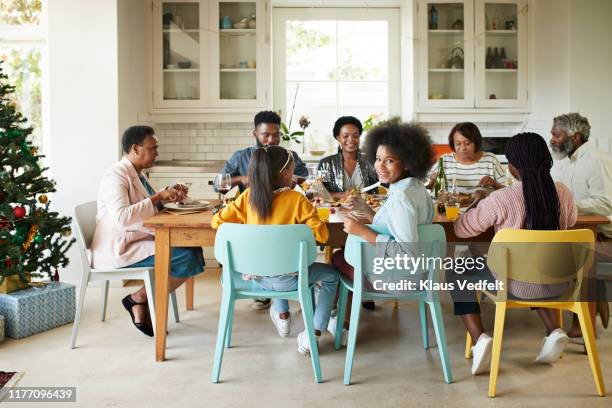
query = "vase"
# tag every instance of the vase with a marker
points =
(298, 147)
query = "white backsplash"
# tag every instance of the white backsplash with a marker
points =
(202, 141)
(217, 141)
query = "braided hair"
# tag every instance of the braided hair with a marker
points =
(528, 153)
(264, 175)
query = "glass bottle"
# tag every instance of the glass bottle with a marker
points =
(488, 61)
(441, 181)
(496, 58)
(433, 18)
(502, 58)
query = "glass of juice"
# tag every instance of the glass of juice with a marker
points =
(323, 213)
(452, 209)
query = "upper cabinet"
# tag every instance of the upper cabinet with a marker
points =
(472, 53)
(210, 54)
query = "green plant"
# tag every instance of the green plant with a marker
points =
(371, 121)
(290, 136)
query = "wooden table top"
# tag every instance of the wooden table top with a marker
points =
(203, 219)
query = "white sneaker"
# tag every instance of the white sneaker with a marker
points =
(303, 344)
(552, 347)
(481, 352)
(282, 326)
(332, 325)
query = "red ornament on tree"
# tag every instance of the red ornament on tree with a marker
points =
(8, 262)
(19, 212)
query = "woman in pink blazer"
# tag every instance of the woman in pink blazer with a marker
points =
(125, 201)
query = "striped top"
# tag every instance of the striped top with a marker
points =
(468, 176)
(505, 208)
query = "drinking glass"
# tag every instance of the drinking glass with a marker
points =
(223, 184)
(452, 207)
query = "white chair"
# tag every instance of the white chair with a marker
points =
(85, 226)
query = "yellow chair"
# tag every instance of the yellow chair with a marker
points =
(541, 264)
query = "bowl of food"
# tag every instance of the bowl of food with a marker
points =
(317, 152)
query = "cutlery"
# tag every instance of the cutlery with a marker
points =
(368, 188)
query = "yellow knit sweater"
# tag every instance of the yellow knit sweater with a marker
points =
(288, 207)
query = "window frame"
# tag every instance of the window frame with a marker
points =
(281, 14)
(34, 36)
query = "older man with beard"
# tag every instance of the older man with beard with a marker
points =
(588, 173)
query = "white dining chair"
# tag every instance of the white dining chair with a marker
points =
(85, 226)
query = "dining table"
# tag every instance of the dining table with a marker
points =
(194, 230)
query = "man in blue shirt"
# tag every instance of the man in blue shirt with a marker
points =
(266, 133)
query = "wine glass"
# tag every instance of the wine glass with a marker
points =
(223, 184)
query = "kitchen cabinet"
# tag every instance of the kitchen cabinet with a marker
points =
(210, 54)
(472, 53)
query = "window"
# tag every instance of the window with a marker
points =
(21, 47)
(334, 62)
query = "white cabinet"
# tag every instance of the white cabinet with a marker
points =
(210, 54)
(472, 53)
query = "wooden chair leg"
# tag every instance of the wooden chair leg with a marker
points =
(189, 286)
(468, 345)
(588, 334)
(498, 334)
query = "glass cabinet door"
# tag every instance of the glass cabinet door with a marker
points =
(179, 67)
(501, 53)
(236, 52)
(446, 53)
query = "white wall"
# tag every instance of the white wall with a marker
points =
(134, 62)
(548, 36)
(82, 100)
(590, 66)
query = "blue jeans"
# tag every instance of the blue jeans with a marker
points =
(325, 275)
(185, 262)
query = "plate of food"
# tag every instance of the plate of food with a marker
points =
(188, 204)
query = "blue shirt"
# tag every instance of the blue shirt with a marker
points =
(408, 205)
(238, 164)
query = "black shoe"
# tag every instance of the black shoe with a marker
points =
(260, 304)
(603, 310)
(146, 327)
(368, 304)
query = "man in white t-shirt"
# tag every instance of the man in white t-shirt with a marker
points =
(588, 174)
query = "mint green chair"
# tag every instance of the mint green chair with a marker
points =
(263, 250)
(432, 243)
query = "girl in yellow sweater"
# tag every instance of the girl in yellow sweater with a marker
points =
(271, 200)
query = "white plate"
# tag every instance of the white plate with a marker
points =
(200, 205)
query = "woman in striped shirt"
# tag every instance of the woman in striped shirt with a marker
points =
(473, 171)
(535, 202)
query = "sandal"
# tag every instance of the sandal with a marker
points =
(146, 327)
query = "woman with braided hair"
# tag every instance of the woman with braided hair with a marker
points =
(271, 200)
(535, 202)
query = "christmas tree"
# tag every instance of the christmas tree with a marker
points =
(33, 239)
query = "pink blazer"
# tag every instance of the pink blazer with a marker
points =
(123, 205)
